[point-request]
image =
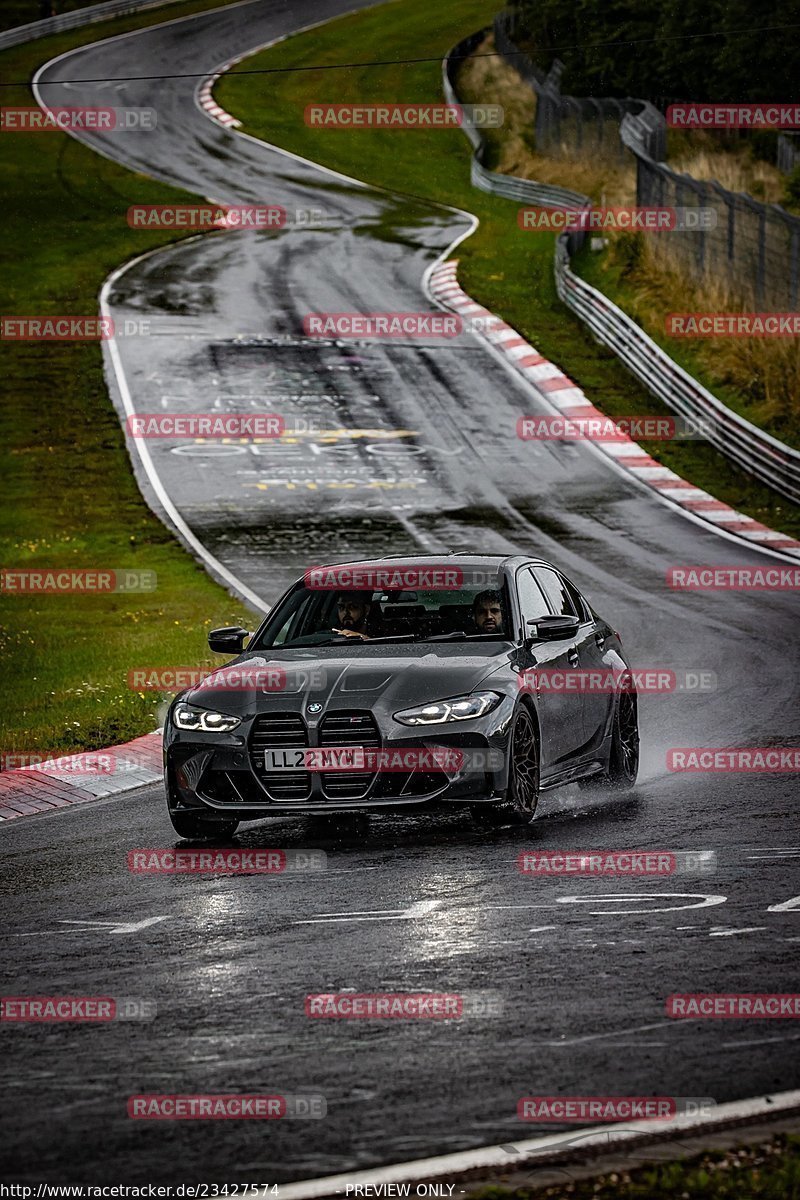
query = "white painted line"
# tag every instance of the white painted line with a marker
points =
(734, 932)
(112, 926)
(506, 1157)
(420, 909)
(110, 347)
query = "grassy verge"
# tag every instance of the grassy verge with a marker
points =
(69, 497)
(768, 1171)
(22, 12)
(508, 270)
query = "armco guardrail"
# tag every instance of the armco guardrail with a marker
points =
(74, 20)
(543, 195)
(764, 456)
(749, 447)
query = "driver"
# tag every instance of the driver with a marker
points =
(352, 609)
(487, 612)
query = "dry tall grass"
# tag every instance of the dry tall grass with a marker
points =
(736, 170)
(493, 81)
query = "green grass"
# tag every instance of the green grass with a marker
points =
(69, 497)
(769, 1171)
(22, 12)
(504, 268)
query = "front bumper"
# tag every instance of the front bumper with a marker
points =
(225, 772)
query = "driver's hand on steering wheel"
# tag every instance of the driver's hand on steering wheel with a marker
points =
(352, 633)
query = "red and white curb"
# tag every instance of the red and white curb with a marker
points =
(134, 764)
(207, 102)
(557, 1148)
(564, 396)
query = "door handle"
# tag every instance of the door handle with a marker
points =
(573, 656)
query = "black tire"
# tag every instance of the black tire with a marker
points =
(623, 761)
(197, 827)
(523, 771)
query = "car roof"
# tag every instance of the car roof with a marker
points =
(454, 557)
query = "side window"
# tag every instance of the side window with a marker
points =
(556, 591)
(531, 600)
(581, 607)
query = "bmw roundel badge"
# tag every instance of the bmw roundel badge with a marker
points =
(314, 707)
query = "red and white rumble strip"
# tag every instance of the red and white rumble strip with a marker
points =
(24, 792)
(207, 102)
(565, 396)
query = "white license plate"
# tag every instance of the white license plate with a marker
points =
(315, 758)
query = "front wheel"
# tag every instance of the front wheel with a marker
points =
(199, 828)
(623, 761)
(523, 773)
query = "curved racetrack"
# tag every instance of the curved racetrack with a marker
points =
(583, 984)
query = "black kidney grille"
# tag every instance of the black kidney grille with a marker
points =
(348, 729)
(284, 731)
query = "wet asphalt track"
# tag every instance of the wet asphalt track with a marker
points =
(229, 966)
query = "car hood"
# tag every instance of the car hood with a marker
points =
(364, 677)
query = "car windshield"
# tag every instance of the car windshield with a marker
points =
(316, 617)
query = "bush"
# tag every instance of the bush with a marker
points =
(791, 191)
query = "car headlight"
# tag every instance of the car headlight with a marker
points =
(460, 708)
(185, 716)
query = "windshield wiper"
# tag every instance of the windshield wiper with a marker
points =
(458, 635)
(305, 643)
(341, 638)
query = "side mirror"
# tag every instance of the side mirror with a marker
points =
(554, 629)
(228, 640)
